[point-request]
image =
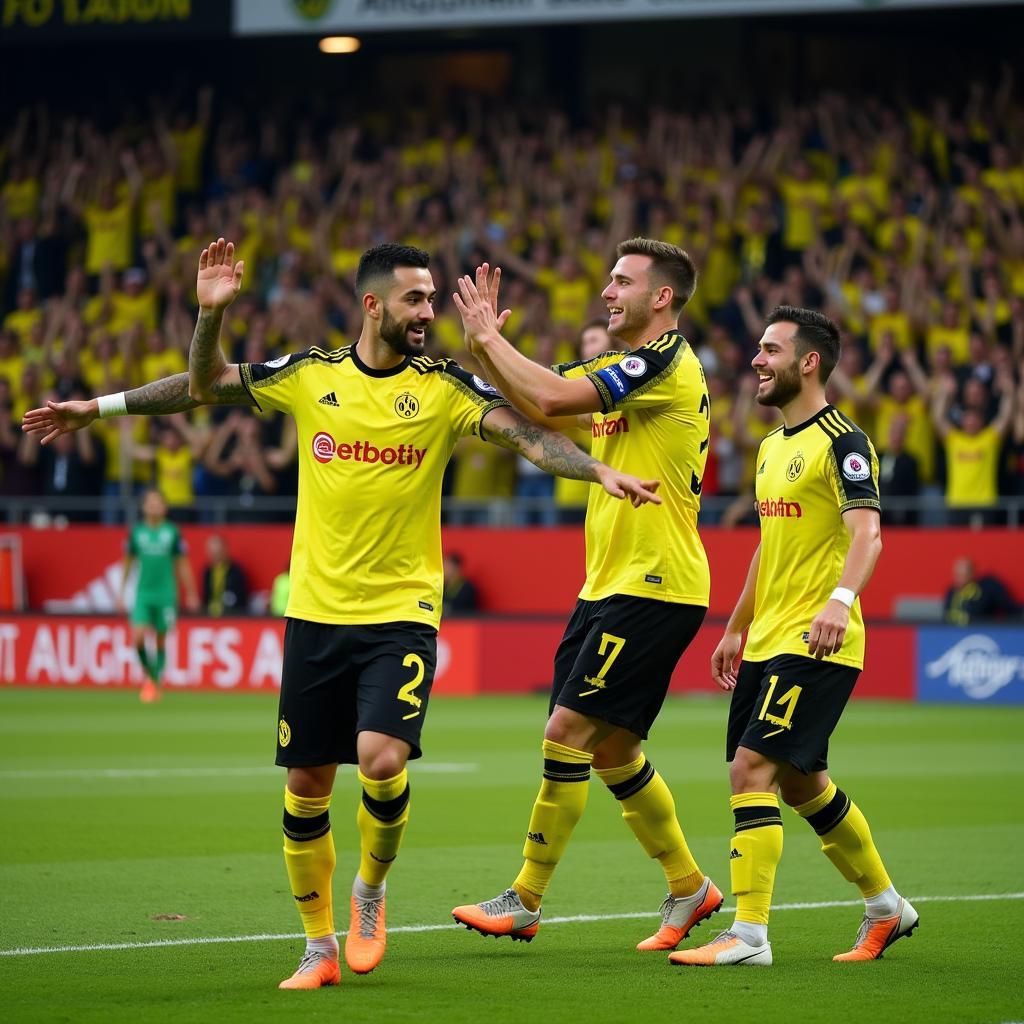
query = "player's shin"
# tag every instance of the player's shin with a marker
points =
(382, 816)
(310, 859)
(144, 660)
(159, 661)
(846, 841)
(557, 809)
(649, 810)
(753, 859)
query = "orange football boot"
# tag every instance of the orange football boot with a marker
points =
(314, 971)
(367, 937)
(680, 915)
(875, 936)
(726, 949)
(504, 915)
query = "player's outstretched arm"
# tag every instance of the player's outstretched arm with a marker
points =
(160, 398)
(557, 455)
(724, 660)
(218, 282)
(521, 379)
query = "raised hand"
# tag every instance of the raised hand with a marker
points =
(220, 278)
(57, 418)
(477, 303)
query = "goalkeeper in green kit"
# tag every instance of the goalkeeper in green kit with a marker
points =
(156, 545)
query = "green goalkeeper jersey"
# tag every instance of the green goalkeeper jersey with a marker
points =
(157, 549)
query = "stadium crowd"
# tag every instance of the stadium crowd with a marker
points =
(902, 221)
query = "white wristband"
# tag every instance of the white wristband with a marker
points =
(111, 405)
(844, 595)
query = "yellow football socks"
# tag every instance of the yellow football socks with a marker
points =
(382, 816)
(649, 810)
(559, 805)
(309, 858)
(846, 839)
(755, 854)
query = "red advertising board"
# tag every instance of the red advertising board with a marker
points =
(202, 654)
(244, 655)
(532, 572)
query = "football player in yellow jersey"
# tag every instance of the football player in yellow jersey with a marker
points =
(647, 586)
(376, 425)
(817, 496)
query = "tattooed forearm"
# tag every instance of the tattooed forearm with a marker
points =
(170, 394)
(162, 396)
(205, 359)
(546, 449)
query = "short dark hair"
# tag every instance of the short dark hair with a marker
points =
(669, 263)
(382, 260)
(815, 332)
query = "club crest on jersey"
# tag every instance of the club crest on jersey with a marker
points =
(482, 385)
(856, 467)
(407, 406)
(633, 366)
(795, 467)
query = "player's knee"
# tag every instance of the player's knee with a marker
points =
(313, 782)
(616, 751)
(751, 773)
(571, 729)
(385, 763)
(797, 789)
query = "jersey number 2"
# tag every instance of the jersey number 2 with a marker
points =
(407, 692)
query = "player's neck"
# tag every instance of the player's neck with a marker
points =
(153, 523)
(654, 330)
(807, 404)
(376, 353)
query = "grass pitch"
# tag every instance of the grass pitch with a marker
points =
(156, 831)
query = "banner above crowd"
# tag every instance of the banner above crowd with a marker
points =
(71, 20)
(273, 17)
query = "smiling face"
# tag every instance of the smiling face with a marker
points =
(632, 298)
(406, 309)
(778, 367)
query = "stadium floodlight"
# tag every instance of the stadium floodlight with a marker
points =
(339, 44)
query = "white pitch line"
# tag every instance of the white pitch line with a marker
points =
(411, 928)
(431, 767)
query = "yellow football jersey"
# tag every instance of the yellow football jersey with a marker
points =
(972, 468)
(655, 424)
(807, 477)
(373, 446)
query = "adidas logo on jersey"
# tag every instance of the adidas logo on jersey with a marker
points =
(537, 837)
(734, 853)
(314, 895)
(331, 399)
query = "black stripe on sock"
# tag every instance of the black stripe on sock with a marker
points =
(831, 814)
(633, 785)
(565, 771)
(756, 817)
(302, 830)
(386, 810)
